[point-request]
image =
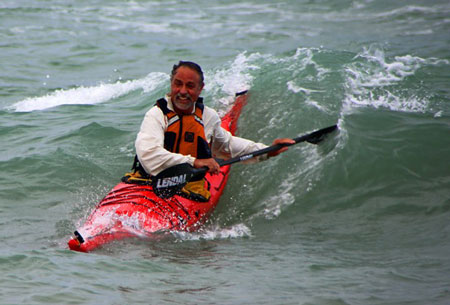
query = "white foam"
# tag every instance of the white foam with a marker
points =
(90, 95)
(296, 89)
(275, 204)
(127, 151)
(405, 10)
(236, 231)
(389, 101)
(373, 81)
(304, 178)
(101, 223)
(307, 60)
(141, 26)
(317, 105)
(438, 114)
(417, 33)
(111, 222)
(233, 79)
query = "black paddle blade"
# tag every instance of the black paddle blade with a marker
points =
(319, 135)
(171, 180)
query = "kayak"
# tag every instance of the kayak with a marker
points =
(134, 210)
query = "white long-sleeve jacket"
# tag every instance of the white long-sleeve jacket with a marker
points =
(155, 158)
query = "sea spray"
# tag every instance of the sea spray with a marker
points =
(90, 95)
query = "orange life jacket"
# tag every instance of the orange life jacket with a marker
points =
(185, 134)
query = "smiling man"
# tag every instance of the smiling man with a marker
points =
(181, 129)
(186, 86)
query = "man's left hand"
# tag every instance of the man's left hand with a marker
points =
(282, 149)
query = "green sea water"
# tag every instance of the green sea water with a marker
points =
(363, 218)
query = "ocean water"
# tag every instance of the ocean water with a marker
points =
(363, 218)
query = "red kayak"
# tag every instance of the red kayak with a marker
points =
(133, 210)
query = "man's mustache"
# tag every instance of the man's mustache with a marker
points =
(188, 96)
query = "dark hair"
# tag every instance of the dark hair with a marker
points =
(189, 64)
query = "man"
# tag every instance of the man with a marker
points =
(181, 129)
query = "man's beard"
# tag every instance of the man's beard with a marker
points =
(183, 101)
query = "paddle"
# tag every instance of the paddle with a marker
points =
(171, 180)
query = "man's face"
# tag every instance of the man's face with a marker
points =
(185, 88)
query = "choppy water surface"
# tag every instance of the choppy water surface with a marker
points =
(360, 219)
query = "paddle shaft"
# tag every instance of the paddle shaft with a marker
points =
(313, 137)
(171, 180)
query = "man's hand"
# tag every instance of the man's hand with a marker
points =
(211, 164)
(282, 149)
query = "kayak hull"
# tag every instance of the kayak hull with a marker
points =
(133, 210)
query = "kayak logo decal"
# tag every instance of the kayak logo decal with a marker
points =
(171, 181)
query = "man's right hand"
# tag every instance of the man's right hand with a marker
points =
(211, 164)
